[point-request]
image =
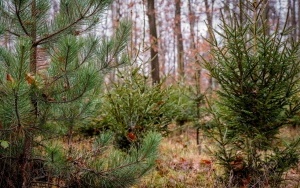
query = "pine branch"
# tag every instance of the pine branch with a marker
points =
(68, 101)
(13, 33)
(81, 17)
(49, 36)
(17, 11)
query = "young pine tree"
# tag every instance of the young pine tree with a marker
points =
(42, 102)
(259, 77)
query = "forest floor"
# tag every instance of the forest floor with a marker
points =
(182, 165)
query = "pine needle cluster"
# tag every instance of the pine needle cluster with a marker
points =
(52, 67)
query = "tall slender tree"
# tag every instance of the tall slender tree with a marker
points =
(115, 18)
(293, 17)
(193, 20)
(266, 14)
(298, 20)
(179, 40)
(209, 8)
(153, 41)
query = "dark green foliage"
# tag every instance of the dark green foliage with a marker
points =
(258, 74)
(102, 165)
(144, 106)
(188, 101)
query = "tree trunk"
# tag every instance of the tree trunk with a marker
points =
(55, 6)
(293, 19)
(266, 15)
(226, 9)
(209, 16)
(178, 33)
(241, 16)
(25, 156)
(116, 15)
(153, 42)
(192, 20)
(298, 27)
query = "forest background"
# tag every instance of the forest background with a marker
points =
(173, 47)
(181, 29)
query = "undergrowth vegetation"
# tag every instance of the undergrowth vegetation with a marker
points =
(64, 126)
(132, 107)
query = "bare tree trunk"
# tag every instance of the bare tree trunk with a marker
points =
(293, 19)
(226, 9)
(179, 39)
(209, 16)
(153, 42)
(241, 16)
(116, 14)
(162, 47)
(55, 7)
(298, 19)
(192, 20)
(266, 14)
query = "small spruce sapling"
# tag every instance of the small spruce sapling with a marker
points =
(258, 74)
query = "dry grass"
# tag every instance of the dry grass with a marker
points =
(181, 166)
(292, 176)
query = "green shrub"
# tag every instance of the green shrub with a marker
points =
(187, 103)
(132, 100)
(133, 105)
